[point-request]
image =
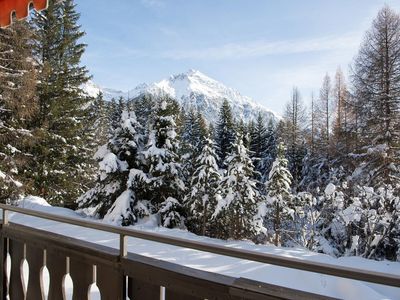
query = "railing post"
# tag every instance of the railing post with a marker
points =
(123, 252)
(5, 217)
(3, 257)
(94, 274)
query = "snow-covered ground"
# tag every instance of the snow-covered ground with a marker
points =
(295, 279)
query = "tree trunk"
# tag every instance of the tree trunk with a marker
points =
(277, 225)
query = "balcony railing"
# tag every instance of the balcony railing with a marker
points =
(119, 274)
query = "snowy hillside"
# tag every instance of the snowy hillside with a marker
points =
(296, 279)
(92, 89)
(193, 89)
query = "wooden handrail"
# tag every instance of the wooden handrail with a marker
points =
(292, 263)
(88, 262)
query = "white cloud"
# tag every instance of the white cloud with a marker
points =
(264, 48)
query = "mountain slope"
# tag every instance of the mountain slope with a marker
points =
(193, 89)
(92, 89)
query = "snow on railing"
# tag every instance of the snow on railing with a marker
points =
(107, 269)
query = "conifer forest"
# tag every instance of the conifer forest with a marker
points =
(324, 175)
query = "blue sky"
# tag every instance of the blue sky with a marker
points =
(262, 48)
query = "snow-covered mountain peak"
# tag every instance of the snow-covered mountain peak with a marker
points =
(194, 81)
(193, 89)
(185, 84)
(190, 73)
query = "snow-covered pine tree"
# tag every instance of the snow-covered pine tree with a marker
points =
(114, 115)
(122, 105)
(143, 107)
(62, 154)
(225, 132)
(18, 109)
(243, 130)
(193, 135)
(47, 30)
(114, 195)
(251, 127)
(237, 208)
(190, 144)
(164, 183)
(279, 194)
(201, 199)
(96, 133)
(258, 145)
(211, 131)
(204, 130)
(100, 122)
(268, 157)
